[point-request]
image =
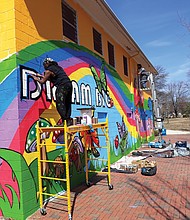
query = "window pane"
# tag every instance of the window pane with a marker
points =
(125, 65)
(111, 54)
(69, 22)
(97, 41)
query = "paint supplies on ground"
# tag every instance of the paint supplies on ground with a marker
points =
(182, 148)
(148, 168)
(144, 163)
(181, 144)
(148, 171)
(166, 153)
(129, 168)
(137, 153)
(156, 144)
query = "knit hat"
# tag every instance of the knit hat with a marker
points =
(48, 60)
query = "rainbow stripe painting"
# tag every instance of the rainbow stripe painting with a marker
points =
(23, 102)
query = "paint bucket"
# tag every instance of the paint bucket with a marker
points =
(86, 119)
(94, 120)
(163, 131)
(74, 121)
(79, 120)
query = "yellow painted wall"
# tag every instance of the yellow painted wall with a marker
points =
(37, 21)
(42, 20)
(26, 22)
(7, 28)
(86, 39)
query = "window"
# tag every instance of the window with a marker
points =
(111, 54)
(125, 65)
(97, 41)
(69, 22)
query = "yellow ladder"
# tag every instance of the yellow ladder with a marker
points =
(68, 132)
(41, 161)
(104, 128)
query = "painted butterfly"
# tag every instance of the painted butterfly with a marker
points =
(121, 128)
(101, 81)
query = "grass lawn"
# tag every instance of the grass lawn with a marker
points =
(182, 124)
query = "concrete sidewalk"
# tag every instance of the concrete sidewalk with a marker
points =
(172, 132)
(164, 196)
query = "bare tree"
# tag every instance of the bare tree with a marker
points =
(186, 25)
(160, 86)
(188, 74)
(173, 97)
(160, 79)
(177, 94)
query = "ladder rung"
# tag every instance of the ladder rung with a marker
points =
(51, 144)
(55, 195)
(77, 128)
(102, 135)
(97, 159)
(94, 171)
(104, 147)
(52, 161)
(50, 129)
(53, 178)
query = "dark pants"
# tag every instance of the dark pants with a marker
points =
(63, 100)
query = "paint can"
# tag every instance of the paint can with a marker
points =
(74, 121)
(94, 120)
(86, 119)
(78, 120)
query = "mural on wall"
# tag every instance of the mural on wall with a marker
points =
(123, 133)
(94, 84)
(101, 82)
(143, 111)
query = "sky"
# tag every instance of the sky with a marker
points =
(157, 29)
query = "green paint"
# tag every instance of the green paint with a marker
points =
(18, 207)
(38, 49)
(34, 51)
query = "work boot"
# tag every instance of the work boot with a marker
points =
(69, 122)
